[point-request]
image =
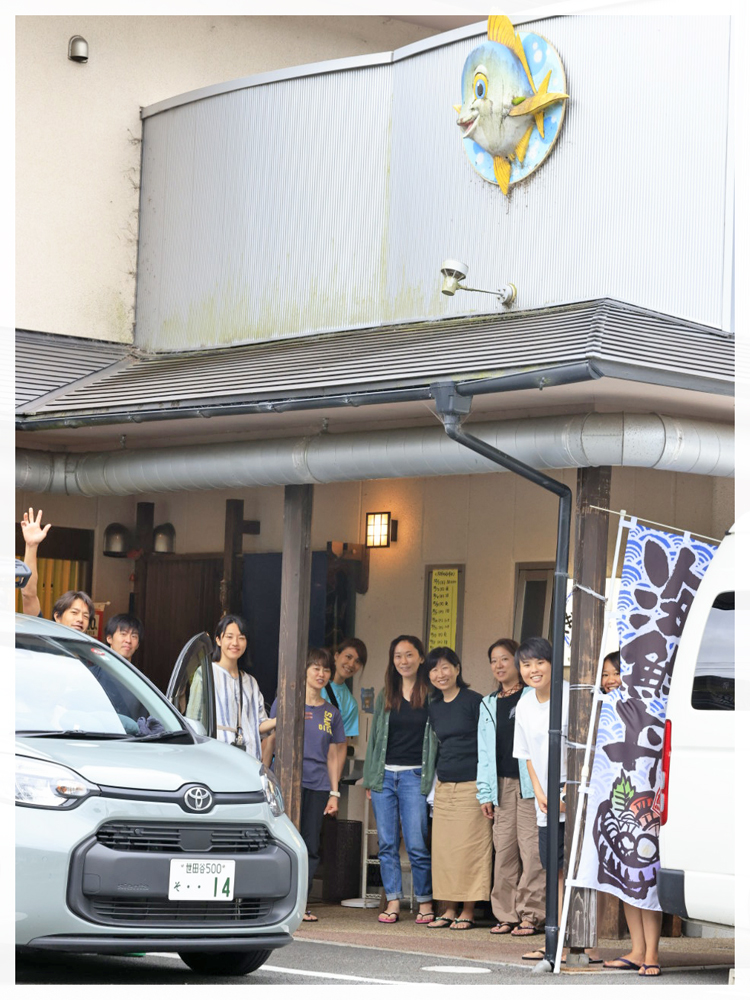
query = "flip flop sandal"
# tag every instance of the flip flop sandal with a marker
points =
(533, 956)
(626, 965)
(309, 918)
(424, 918)
(462, 920)
(388, 917)
(440, 923)
(649, 975)
(502, 928)
(525, 930)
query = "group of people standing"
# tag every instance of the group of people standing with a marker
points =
(481, 763)
(430, 727)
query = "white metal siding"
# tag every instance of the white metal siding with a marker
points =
(328, 202)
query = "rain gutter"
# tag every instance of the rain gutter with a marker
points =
(539, 378)
(453, 408)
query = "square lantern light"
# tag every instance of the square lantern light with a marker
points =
(378, 532)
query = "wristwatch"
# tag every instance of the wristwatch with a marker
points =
(336, 795)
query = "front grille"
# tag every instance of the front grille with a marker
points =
(169, 838)
(111, 909)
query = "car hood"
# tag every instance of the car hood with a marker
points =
(159, 766)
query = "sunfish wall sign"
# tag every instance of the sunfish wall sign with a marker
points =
(513, 103)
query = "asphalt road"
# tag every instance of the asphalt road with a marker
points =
(311, 963)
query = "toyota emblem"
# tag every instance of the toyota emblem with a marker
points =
(198, 799)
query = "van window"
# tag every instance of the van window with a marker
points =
(713, 685)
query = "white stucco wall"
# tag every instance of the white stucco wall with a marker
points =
(78, 135)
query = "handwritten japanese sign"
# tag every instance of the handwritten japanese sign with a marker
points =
(443, 608)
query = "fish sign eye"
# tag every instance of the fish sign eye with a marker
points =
(480, 86)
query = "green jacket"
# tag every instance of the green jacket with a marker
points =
(377, 746)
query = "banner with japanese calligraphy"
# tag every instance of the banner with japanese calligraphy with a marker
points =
(620, 848)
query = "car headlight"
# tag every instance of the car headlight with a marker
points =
(272, 790)
(47, 785)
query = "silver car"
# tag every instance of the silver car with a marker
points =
(135, 831)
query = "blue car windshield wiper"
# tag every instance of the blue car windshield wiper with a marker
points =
(77, 734)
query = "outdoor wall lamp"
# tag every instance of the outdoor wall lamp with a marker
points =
(164, 537)
(454, 271)
(380, 530)
(117, 540)
(78, 49)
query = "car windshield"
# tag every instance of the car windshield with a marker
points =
(79, 687)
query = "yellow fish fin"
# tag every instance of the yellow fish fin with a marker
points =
(499, 29)
(502, 172)
(539, 119)
(457, 108)
(536, 103)
(523, 145)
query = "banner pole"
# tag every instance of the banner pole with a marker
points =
(623, 525)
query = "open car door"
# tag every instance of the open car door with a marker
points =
(191, 686)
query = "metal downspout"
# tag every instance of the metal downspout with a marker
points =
(451, 407)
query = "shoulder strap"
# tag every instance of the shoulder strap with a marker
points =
(331, 695)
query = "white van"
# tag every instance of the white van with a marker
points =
(696, 841)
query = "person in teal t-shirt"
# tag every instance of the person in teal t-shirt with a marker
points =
(350, 658)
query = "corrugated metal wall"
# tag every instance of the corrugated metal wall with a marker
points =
(329, 202)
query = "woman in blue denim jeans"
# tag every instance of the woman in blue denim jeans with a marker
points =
(398, 774)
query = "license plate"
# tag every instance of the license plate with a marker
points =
(196, 878)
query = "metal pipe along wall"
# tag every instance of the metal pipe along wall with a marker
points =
(650, 441)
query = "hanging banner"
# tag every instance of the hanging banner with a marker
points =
(620, 850)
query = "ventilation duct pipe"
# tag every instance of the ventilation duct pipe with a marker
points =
(650, 441)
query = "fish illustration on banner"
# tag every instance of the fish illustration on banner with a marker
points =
(512, 103)
(620, 849)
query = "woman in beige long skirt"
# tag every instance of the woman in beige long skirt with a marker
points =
(461, 834)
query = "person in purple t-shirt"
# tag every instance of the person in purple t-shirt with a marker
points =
(324, 730)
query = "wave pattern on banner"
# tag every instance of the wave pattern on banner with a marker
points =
(620, 850)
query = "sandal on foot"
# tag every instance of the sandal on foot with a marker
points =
(388, 917)
(625, 963)
(309, 918)
(644, 973)
(525, 929)
(502, 928)
(533, 956)
(470, 925)
(440, 923)
(424, 918)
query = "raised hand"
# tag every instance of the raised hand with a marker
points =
(33, 532)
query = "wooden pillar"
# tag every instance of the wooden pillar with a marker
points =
(144, 543)
(235, 526)
(296, 562)
(589, 570)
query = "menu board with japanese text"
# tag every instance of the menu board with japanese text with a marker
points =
(444, 601)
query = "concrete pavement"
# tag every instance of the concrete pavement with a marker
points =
(352, 926)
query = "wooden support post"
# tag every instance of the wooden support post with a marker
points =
(229, 593)
(296, 562)
(144, 543)
(235, 526)
(590, 570)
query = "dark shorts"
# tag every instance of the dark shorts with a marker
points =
(543, 847)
